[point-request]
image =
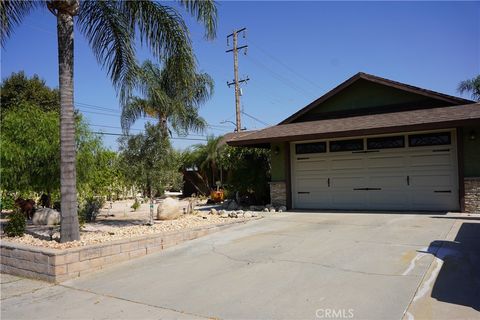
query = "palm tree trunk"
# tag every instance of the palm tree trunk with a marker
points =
(69, 223)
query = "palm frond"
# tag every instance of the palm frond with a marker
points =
(133, 110)
(205, 11)
(112, 40)
(471, 86)
(12, 13)
(161, 29)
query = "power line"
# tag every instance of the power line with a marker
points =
(127, 135)
(148, 117)
(281, 78)
(256, 119)
(287, 66)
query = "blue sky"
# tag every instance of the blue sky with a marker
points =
(297, 52)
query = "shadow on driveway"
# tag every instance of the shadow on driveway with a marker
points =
(458, 281)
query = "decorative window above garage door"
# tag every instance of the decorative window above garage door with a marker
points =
(313, 147)
(429, 139)
(346, 145)
(386, 142)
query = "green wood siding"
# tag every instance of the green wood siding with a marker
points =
(471, 152)
(364, 94)
(278, 162)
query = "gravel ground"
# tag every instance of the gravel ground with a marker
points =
(95, 233)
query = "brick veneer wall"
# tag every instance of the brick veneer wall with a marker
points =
(59, 265)
(278, 193)
(472, 194)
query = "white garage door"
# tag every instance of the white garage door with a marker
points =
(415, 171)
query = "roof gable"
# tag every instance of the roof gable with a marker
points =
(368, 94)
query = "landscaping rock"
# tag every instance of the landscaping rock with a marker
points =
(254, 214)
(266, 209)
(232, 205)
(273, 210)
(224, 215)
(46, 216)
(169, 209)
(282, 209)
(247, 214)
(240, 213)
(213, 211)
(233, 214)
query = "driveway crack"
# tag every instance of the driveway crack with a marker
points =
(137, 302)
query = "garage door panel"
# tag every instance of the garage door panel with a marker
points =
(342, 164)
(386, 162)
(313, 166)
(348, 199)
(433, 159)
(385, 182)
(311, 184)
(347, 182)
(387, 199)
(432, 180)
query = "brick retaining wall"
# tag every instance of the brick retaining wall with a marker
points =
(472, 194)
(55, 265)
(278, 193)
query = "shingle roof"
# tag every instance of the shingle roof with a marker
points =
(423, 119)
(376, 79)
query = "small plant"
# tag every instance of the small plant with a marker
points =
(7, 202)
(135, 205)
(90, 209)
(16, 224)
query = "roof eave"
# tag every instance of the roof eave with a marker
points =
(360, 132)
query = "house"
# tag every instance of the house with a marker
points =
(375, 144)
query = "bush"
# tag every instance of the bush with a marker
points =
(90, 209)
(135, 205)
(7, 202)
(16, 224)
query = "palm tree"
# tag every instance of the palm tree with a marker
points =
(111, 28)
(472, 86)
(171, 96)
(206, 157)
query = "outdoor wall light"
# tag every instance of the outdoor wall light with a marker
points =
(276, 150)
(472, 135)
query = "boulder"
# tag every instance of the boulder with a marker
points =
(213, 211)
(232, 205)
(233, 214)
(273, 210)
(240, 212)
(266, 209)
(169, 209)
(282, 209)
(247, 214)
(226, 203)
(224, 215)
(254, 214)
(46, 217)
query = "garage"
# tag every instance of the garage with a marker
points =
(416, 171)
(375, 144)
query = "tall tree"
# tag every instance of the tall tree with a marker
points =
(18, 88)
(111, 27)
(471, 86)
(171, 96)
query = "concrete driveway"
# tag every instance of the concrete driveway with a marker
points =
(285, 266)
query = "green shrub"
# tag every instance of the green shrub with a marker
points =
(7, 202)
(90, 209)
(16, 224)
(135, 205)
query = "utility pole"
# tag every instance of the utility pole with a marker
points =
(236, 81)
